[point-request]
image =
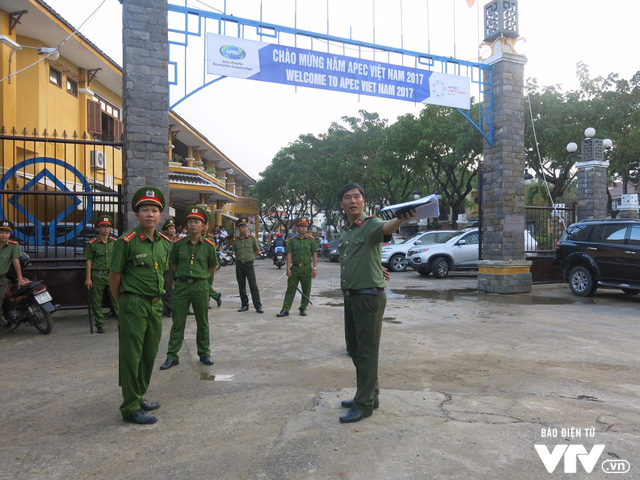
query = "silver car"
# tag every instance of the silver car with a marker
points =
(393, 256)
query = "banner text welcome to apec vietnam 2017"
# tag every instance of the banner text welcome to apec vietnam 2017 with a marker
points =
(266, 62)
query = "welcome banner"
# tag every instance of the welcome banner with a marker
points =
(267, 62)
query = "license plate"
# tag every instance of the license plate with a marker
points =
(43, 298)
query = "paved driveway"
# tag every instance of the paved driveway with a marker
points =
(470, 384)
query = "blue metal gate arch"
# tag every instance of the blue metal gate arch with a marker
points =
(479, 74)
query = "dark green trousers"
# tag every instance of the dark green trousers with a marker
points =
(244, 273)
(167, 298)
(197, 295)
(139, 337)
(363, 326)
(212, 293)
(300, 275)
(100, 284)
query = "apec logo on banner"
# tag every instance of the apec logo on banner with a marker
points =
(240, 58)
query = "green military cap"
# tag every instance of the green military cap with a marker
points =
(196, 211)
(302, 221)
(104, 220)
(242, 221)
(6, 225)
(147, 195)
(168, 223)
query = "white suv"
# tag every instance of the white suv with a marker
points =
(459, 251)
(393, 256)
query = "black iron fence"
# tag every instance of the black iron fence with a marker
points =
(546, 225)
(52, 187)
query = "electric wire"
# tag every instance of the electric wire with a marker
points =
(57, 49)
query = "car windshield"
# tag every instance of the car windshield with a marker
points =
(399, 240)
(450, 236)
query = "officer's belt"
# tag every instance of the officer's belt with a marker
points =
(364, 291)
(245, 263)
(300, 264)
(148, 298)
(189, 280)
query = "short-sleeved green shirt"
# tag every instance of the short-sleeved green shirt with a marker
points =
(360, 253)
(245, 248)
(7, 254)
(100, 253)
(141, 262)
(302, 249)
(193, 261)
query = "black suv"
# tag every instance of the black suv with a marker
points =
(601, 253)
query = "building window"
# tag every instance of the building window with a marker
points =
(104, 120)
(72, 87)
(55, 77)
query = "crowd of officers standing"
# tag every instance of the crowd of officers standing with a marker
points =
(147, 273)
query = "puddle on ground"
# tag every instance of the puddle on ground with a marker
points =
(217, 378)
(207, 376)
(470, 294)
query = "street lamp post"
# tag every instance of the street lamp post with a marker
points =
(592, 175)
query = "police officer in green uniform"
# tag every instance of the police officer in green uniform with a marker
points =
(193, 259)
(246, 248)
(169, 229)
(139, 259)
(362, 283)
(9, 255)
(98, 253)
(302, 263)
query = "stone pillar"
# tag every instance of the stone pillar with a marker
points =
(592, 181)
(503, 268)
(145, 99)
(629, 206)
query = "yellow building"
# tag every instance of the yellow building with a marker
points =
(61, 107)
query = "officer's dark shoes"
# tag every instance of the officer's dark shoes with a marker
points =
(110, 313)
(100, 330)
(141, 417)
(303, 312)
(190, 312)
(283, 313)
(148, 406)
(351, 403)
(207, 360)
(219, 300)
(168, 364)
(244, 308)
(354, 415)
(259, 310)
(166, 314)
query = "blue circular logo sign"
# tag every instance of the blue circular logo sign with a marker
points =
(49, 177)
(232, 52)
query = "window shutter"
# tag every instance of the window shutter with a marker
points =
(117, 130)
(94, 117)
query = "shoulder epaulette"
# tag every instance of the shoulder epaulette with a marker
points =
(179, 239)
(370, 216)
(129, 236)
(93, 240)
(164, 236)
(209, 242)
(113, 238)
(13, 242)
(311, 236)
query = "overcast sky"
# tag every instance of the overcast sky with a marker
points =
(251, 121)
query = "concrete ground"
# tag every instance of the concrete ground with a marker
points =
(469, 384)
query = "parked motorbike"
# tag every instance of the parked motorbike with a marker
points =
(30, 304)
(230, 255)
(278, 259)
(222, 258)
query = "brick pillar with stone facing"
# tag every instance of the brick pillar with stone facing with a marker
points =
(503, 268)
(145, 99)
